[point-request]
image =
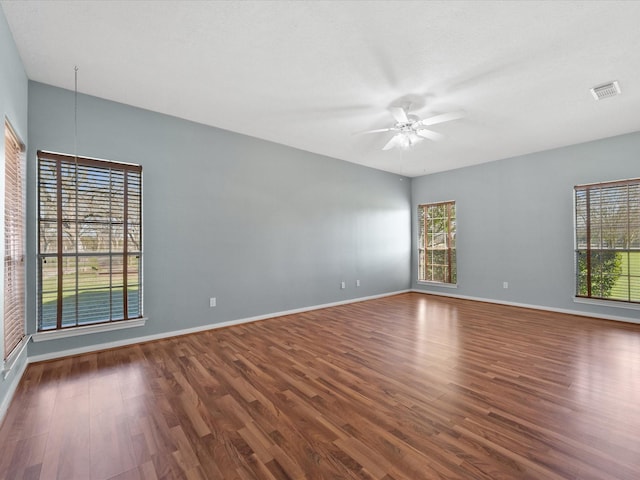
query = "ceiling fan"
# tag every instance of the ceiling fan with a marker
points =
(410, 129)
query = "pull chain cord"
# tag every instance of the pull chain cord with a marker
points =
(75, 156)
(75, 116)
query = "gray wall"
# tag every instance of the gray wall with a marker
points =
(262, 227)
(13, 106)
(515, 221)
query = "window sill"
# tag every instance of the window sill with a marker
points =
(438, 284)
(607, 303)
(88, 329)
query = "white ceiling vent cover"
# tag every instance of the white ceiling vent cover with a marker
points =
(606, 90)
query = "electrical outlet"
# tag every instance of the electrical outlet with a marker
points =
(343, 284)
(212, 302)
(357, 283)
(505, 284)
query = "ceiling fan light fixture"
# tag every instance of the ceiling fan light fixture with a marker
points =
(410, 129)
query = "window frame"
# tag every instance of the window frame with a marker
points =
(584, 250)
(450, 279)
(14, 331)
(96, 167)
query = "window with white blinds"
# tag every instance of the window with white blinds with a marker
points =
(607, 240)
(90, 241)
(14, 241)
(437, 242)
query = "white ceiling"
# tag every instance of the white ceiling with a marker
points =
(310, 74)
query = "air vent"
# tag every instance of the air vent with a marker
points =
(605, 91)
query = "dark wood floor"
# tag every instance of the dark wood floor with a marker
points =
(411, 387)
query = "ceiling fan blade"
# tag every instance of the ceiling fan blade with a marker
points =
(393, 142)
(413, 139)
(445, 117)
(399, 114)
(430, 134)
(375, 131)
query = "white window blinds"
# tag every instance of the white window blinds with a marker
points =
(14, 241)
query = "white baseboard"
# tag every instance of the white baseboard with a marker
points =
(535, 307)
(186, 331)
(13, 385)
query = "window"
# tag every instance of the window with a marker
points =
(437, 242)
(608, 240)
(14, 245)
(90, 241)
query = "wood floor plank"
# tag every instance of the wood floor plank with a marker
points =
(405, 387)
(66, 454)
